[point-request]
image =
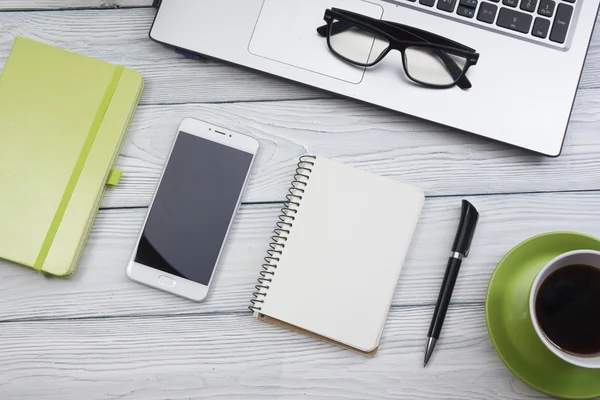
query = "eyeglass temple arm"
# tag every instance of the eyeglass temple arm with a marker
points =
(451, 66)
(411, 30)
(336, 27)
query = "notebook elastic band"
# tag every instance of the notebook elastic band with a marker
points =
(77, 170)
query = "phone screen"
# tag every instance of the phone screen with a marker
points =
(193, 208)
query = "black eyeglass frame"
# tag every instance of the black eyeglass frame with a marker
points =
(400, 37)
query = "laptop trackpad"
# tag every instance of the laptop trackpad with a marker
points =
(286, 32)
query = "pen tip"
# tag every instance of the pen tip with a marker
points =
(429, 350)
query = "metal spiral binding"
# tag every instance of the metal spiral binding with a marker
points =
(282, 230)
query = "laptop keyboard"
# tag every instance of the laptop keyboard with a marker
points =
(542, 21)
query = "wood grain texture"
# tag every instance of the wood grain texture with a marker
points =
(100, 287)
(121, 36)
(436, 158)
(66, 4)
(102, 336)
(233, 356)
(440, 161)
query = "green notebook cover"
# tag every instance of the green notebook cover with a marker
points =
(63, 120)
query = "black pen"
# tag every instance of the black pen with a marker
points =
(460, 250)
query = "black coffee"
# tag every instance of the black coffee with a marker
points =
(567, 307)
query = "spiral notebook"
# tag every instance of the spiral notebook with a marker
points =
(335, 258)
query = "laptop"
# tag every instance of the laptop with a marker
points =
(522, 88)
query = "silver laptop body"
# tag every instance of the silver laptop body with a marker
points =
(523, 88)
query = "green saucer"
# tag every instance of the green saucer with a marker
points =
(511, 330)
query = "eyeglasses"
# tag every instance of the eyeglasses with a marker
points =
(428, 59)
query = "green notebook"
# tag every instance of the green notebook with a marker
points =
(63, 119)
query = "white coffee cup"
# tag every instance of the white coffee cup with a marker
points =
(586, 257)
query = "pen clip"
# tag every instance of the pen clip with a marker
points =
(466, 228)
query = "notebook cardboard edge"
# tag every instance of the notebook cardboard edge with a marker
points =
(294, 328)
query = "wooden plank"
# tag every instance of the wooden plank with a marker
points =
(439, 160)
(238, 357)
(100, 287)
(121, 36)
(66, 4)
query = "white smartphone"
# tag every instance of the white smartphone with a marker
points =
(198, 194)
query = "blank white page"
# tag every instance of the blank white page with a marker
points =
(342, 260)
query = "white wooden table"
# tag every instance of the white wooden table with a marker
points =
(101, 336)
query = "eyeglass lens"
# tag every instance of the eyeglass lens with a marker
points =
(431, 66)
(356, 44)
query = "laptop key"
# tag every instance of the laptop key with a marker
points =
(514, 20)
(446, 5)
(428, 3)
(487, 12)
(561, 23)
(541, 26)
(528, 5)
(465, 11)
(469, 3)
(570, 1)
(546, 8)
(511, 3)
